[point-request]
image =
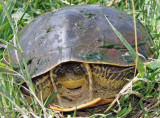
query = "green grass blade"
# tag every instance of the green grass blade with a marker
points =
(5, 66)
(18, 42)
(154, 64)
(9, 44)
(10, 4)
(25, 9)
(75, 112)
(0, 7)
(2, 112)
(16, 106)
(143, 109)
(140, 66)
(51, 98)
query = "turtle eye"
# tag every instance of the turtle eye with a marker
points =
(78, 70)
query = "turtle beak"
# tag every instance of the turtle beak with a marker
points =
(95, 102)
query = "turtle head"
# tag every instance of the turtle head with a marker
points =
(71, 75)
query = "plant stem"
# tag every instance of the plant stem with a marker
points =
(18, 42)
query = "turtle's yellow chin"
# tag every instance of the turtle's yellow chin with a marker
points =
(72, 84)
(72, 81)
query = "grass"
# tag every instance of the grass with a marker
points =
(141, 99)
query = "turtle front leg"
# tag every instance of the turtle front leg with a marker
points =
(52, 77)
(90, 79)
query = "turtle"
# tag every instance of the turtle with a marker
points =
(75, 50)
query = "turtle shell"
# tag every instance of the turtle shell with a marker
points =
(81, 34)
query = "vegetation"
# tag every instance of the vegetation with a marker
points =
(140, 98)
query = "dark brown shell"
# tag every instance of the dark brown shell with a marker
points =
(81, 33)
